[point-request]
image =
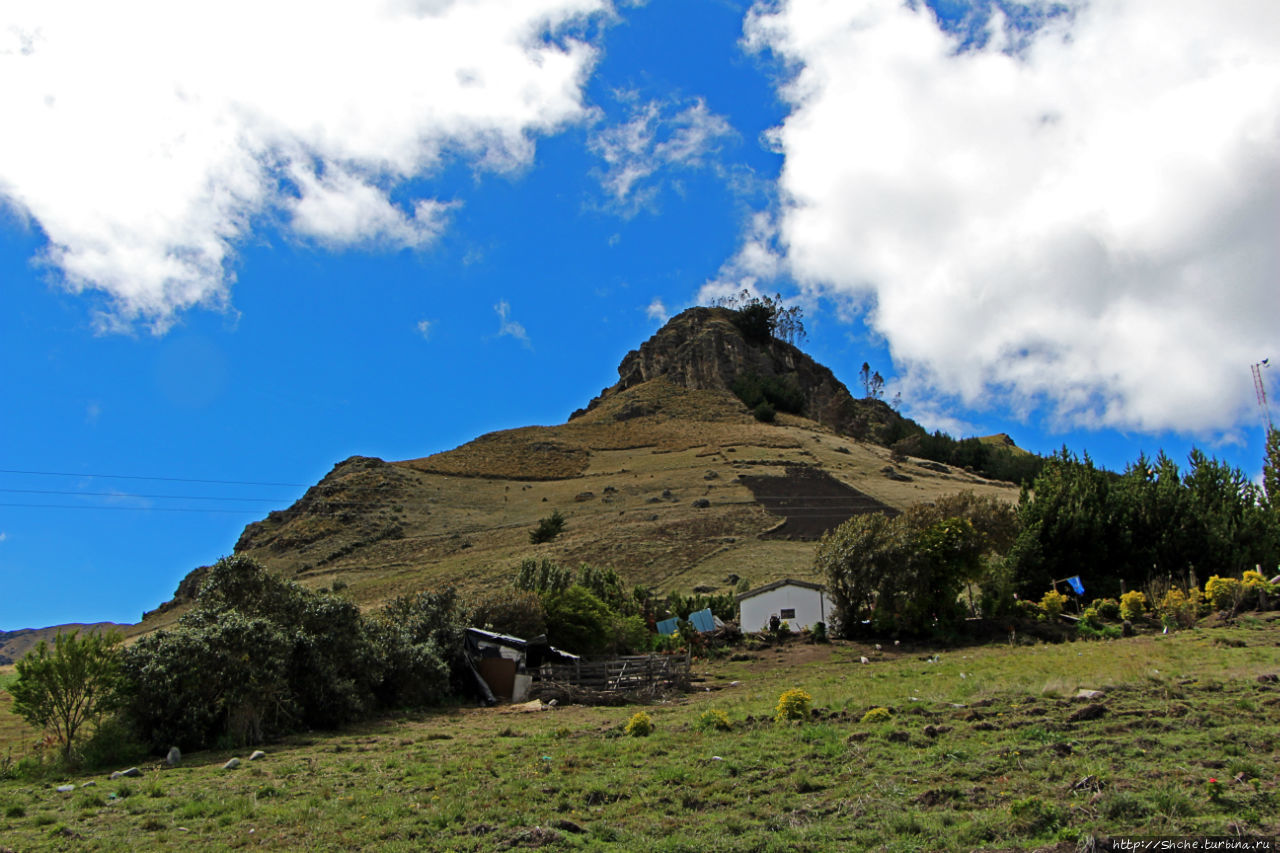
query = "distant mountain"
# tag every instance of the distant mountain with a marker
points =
(15, 644)
(666, 476)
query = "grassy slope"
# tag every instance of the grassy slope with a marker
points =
(462, 517)
(1007, 769)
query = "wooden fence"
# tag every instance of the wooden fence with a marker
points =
(623, 674)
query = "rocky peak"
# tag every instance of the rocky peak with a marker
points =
(703, 349)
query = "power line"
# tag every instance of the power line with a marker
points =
(135, 508)
(137, 477)
(136, 495)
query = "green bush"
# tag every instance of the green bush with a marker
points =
(113, 744)
(259, 656)
(1087, 631)
(714, 720)
(901, 574)
(579, 622)
(517, 612)
(765, 412)
(1108, 608)
(548, 528)
(784, 395)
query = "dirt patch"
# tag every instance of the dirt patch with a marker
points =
(810, 500)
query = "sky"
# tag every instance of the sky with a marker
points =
(240, 243)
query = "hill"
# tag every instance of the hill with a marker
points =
(15, 644)
(666, 477)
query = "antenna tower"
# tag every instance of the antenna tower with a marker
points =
(1261, 388)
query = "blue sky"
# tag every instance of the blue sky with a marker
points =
(387, 229)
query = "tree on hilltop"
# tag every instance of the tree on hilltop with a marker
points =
(762, 318)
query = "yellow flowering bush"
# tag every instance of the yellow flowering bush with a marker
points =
(1133, 604)
(1053, 603)
(640, 725)
(876, 715)
(793, 704)
(1225, 593)
(1179, 609)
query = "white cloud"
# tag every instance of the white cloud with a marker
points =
(509, 327)
(424, 329)
(657, 311)
(1084, 215)
(153, 135)
(657, 136)
(4, 537)
(757, 260)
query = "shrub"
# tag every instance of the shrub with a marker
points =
(793, 704)
(877, 715)
(1029, 609)
(259, 656)
(1053, 603)
(714, 719)
(765, 412)
(1087, 631)
(112, 744)
(516, 612)
(1108, 608)
(1034, 816)
(1225, 593)
(1133, 604)
(1179, 609)
(548, 528)
(640, 725)
(820, 632)
(577, 621)
(1091, 618)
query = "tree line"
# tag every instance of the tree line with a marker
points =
(1152, 524)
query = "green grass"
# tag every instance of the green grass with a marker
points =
(992, 760)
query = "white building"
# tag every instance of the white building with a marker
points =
(798, 603)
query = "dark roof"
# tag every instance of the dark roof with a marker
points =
(776, 584)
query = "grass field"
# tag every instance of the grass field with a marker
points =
(982, 748)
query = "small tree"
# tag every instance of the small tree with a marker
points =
(548, 528)
(64, 687)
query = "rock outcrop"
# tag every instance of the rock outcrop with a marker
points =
(703, 349)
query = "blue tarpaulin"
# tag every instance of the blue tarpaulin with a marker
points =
(667, 626)
(703, 621)
(1076, 585)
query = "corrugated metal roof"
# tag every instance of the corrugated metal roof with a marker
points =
(703, 621)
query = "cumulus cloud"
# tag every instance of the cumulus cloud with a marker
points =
(424, 329)
(657, 311)
(1081, 215)
(657, 136)
(153, 135)
(509, 327)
